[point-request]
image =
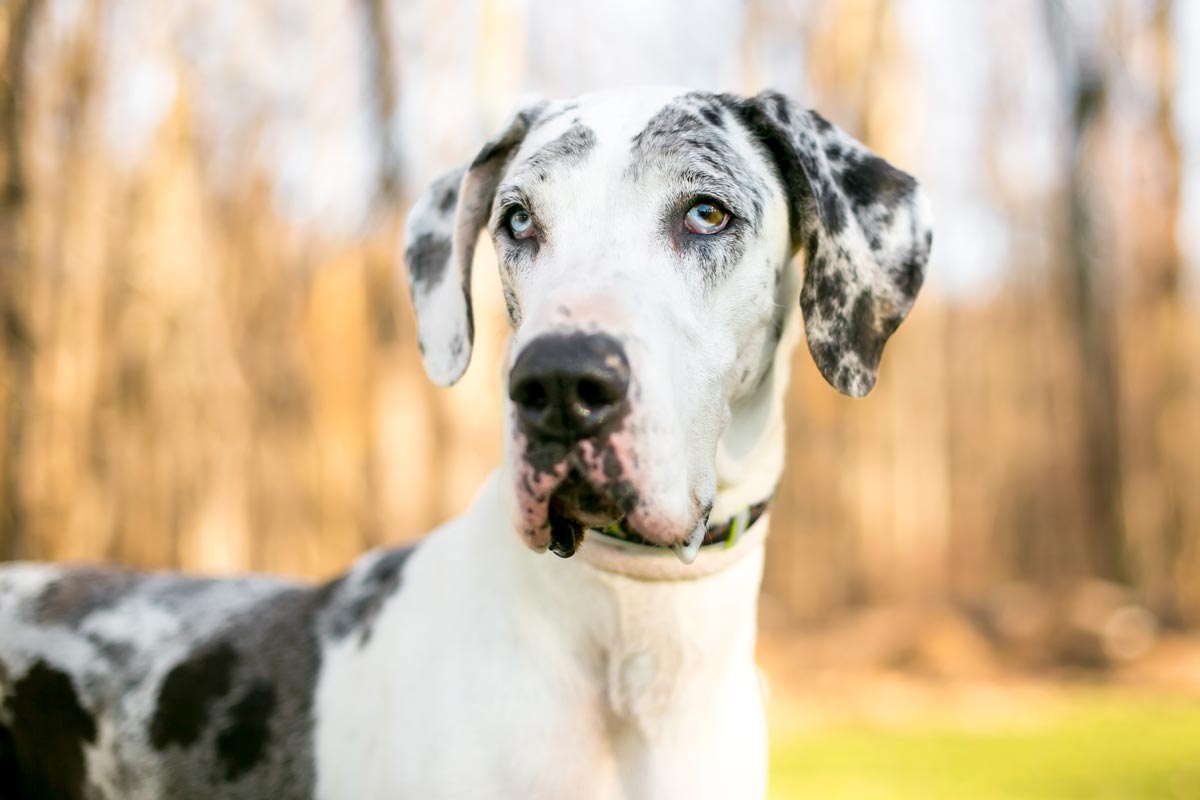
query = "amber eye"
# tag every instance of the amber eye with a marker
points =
(520, 223)
(706, 218)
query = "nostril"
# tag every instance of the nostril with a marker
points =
(531, 395)
(567, 387)
(594, 394)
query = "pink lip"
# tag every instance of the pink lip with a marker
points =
(534, 488)
(613, 469)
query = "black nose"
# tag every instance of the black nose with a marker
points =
(570, 386)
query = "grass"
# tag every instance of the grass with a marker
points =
(1096, 747)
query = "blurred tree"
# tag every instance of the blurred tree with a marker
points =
(1088, 281)
(16, 20)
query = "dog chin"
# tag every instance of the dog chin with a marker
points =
(574, 506)
(556, 507)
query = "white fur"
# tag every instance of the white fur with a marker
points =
(565, 681)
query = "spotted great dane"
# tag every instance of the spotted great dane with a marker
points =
(645, 241)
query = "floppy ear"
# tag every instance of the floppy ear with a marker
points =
(440, 237)
(865, 229)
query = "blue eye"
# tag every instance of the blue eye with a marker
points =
(706, 218)
(520, 223)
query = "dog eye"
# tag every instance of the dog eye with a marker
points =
(706, 218)
(520, 223)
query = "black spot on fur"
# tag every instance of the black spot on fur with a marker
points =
(866, 339)
(188, 693)
(427, 256)
(829, 203)
(449, 198)
(42, 751)
(353, 604)
(76, 595)
(830, 288)
(500, 148)
(822, 124)
(911, 274)
(569, 148)
(243, 741)
(781, 110)
(712, 114)
(869, 179)
(825, 355)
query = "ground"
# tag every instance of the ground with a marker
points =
(1064, 742)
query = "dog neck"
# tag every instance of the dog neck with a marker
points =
(750, 452)
(659, 649)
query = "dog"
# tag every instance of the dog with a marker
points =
(645, 242)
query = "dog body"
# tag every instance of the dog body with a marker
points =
(645, 242)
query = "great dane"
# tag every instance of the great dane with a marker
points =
(645, 241)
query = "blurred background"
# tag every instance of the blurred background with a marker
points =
(207, 357)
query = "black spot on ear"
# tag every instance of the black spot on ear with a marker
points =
(781, 109)
(868, 179)
(833, 215)
(44, 743)
(823, 125)
(242, 743)
(830, 287)
(911, 274)
(490, 151)
(865, 336)
(449, 198)
(783, 157)
(713, 115)
(501, 147)
(428, 256)
(825, 354)
(188, 693)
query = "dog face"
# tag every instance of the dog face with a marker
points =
(645, 241)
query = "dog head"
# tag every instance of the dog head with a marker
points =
(645, 241)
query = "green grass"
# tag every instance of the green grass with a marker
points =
(1096, 748)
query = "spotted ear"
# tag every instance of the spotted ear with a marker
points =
(440, 237)
(865, 227)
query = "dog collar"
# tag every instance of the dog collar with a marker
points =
(617, 549)
(725, 533)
